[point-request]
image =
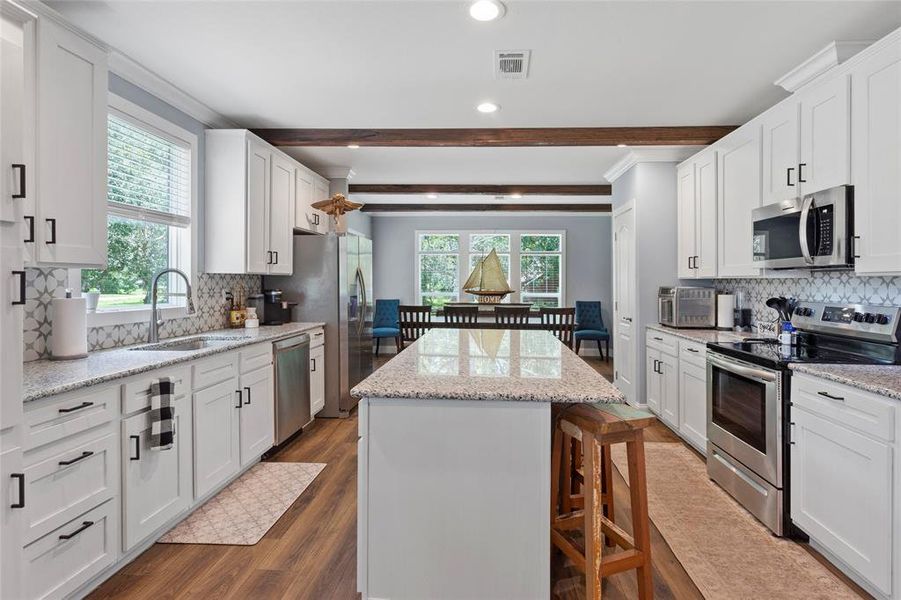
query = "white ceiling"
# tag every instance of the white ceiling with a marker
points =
(427, 64)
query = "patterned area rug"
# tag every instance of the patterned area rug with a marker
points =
(726, 552)
(242, 513)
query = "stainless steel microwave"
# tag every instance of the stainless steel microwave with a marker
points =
(811, 232)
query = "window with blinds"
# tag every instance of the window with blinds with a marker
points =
(149, 199)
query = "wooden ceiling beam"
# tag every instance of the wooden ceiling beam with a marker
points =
(497, 207)
(487, 190)
(499, 137)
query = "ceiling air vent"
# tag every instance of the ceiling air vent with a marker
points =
(511, 64)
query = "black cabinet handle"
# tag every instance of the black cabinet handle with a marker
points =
(692, 350)
(801, 173)
(276, 256)
(247, 389)
(72, 461)
(52, 239)
(21, 300)
(22, 192)
(30, 238)
(74, 408)
(240, 396)
(316, 219)
(831, 397)
(313, 366)
(21, 478)
(659, 339)
(69, 536)
(788, 177)
(137, 440)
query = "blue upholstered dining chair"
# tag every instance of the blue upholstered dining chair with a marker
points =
(590, 326)
(386, 322)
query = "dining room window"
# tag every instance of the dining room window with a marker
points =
(532, 261)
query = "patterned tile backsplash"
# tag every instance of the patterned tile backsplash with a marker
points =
(819, 286)
(42, 285)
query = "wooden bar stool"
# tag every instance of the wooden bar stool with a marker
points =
(598, 427)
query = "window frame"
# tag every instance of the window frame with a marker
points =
(184, 255)
(465, 250)
(561, 252)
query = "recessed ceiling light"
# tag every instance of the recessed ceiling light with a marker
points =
(431, 196)
(621, 145)
(486, 10)
(487, 107)
(353, 146)
(516, 196)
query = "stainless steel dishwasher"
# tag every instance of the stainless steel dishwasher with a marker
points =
(292, 386)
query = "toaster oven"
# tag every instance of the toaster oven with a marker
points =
(685, 307)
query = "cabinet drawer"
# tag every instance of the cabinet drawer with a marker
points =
(51, 419)
(136, 392)
(54, 567)
(215, 370)
(69, 477)
(317, 337)
(853, 408)
(255, 357)
(693, 352)
(662, 341)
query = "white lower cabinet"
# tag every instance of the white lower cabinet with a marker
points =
(693, 404)
(842, 477)
(216, 435)
(652, 385)
(156, 484)
(317, 379)
(257, 414)
(71, 555)
(663, 386)
(14, 495)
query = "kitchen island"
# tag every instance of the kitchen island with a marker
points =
(454, 464)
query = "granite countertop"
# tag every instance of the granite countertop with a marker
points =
(42, 378)
(489, 364)
(705, 335)
(884, 380)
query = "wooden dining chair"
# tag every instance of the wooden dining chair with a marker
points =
(560, 322)
(465, 316)
(415, 320)
(511, 315)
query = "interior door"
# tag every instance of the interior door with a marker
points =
(258, 182)
(281, 216)
(624, 252)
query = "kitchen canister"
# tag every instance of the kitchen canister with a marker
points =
(725, 311)
(69, 336)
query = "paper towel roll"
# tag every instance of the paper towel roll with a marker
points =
(69, 338)
(725, 311)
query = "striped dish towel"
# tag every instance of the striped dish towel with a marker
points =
(162, 434)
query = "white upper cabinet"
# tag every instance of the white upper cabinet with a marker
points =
(310, 188)
(780, 152)
(281, 216)
(14, 99)
(738, 193)
(70, 224)
(876, 158)
(825, 136)
(250, 198)
(687, 216)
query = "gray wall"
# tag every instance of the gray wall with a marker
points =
(588, 251)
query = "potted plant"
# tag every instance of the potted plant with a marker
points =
(93, 297)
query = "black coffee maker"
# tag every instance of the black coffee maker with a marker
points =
(275, 310)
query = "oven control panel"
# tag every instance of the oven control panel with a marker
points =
(876, 323)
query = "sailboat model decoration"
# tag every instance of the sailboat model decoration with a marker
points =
(487, 280)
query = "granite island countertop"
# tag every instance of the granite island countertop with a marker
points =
(884, 380)
(489, 364)
(705, 335)
(42, 378)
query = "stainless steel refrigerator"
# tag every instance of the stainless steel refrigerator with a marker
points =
(332, 283)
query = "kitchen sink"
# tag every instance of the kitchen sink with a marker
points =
(186, 345)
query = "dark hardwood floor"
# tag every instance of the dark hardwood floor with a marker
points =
(311, 551)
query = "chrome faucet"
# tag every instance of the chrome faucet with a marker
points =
(155, 321)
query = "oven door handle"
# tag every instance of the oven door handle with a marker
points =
(806, 205)
(760, 375)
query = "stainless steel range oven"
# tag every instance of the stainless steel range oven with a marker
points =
(744, 433)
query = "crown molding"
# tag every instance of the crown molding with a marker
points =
(675, 154)
(337, 173)
(834, 54)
